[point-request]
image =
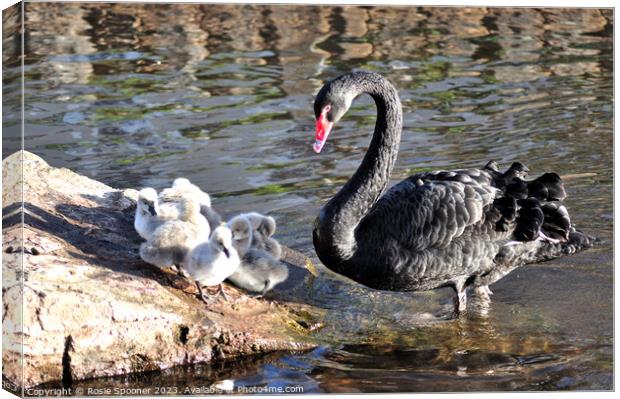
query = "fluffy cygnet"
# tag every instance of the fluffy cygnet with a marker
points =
(182, 188)
(263, 227)
(170, 242)
(151, 213)
(212, 262)
(266, 225)
(259, 271)
(147, 218)
(242, 233)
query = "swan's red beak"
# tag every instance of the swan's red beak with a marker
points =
(323, 127)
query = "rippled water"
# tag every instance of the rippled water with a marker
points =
(136, 95)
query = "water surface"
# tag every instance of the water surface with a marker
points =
(135, 95)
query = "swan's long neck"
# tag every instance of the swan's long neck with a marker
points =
(341, 215)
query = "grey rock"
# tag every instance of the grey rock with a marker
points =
(91, 306)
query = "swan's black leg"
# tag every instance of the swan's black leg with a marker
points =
(460, 300)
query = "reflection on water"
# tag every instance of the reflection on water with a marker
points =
(138, 94)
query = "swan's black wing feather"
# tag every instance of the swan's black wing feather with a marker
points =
(529, 221)
(434, 208)
(553, 187)
(556, 223)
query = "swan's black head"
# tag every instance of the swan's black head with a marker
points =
(332, 102)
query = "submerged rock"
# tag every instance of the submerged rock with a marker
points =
(93, 308)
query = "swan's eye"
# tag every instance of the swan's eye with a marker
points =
(328, 114)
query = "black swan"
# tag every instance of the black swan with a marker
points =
(462, 228)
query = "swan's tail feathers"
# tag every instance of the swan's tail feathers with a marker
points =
(530, 220)
(533, 210)
(548, 187)
(556, 224)
(517, 189)
(492, 167)
(516, 253)
(577, 241)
